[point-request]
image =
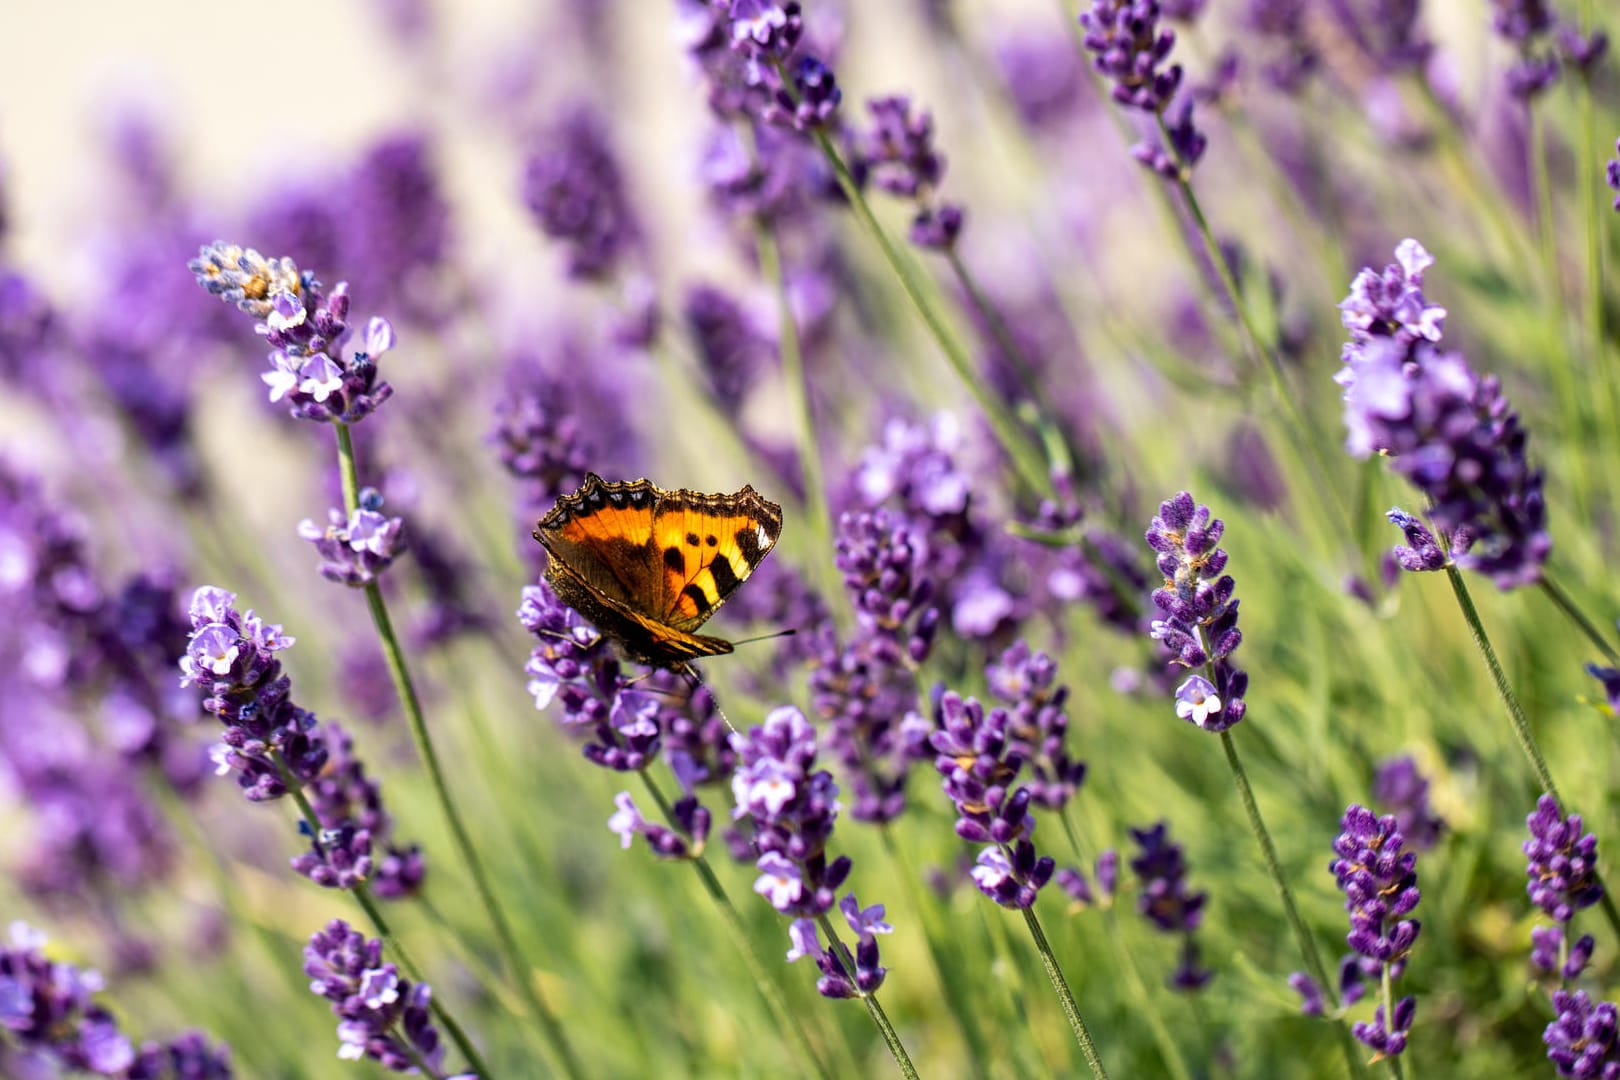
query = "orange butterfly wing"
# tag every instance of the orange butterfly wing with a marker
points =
(649, 566)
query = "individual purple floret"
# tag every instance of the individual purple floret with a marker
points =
(792, 807)
(685, 841)
(232, 656)
(881, 557)
(897, 154)
(1562, 862)
(1199, 612)
(1447, 429)
(48, 1011)
(1612, 174)
(1526, 25)
(1421, 551)
(974, 753)
(381, 1015)
(306, 329)
(1129, 47)
(1038, 727)
(1165, 902)
(1581, 1042)
(573, 187)
(1379, 881)
(1547, 952)
(356, 549)
(1582, 52)
(1405, 792)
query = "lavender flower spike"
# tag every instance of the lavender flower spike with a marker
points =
(380, 1014)
(1199, 624)
(1379, 882)
(1582, 1041)
(1562, 862)
(356, 548)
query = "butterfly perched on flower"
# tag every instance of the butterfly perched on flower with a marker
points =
(649, 566)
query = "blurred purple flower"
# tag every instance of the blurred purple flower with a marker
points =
(1405, 791)
(1043, 78)
(1161, 871)
(1612, 174)
(574, 188)
(732, 348)
(1421, 552)
(1582, 1040)
(1037, 726)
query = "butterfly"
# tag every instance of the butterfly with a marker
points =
(649, 566)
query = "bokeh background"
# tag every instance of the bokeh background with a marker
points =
(387, 144)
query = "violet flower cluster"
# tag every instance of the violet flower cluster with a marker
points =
(1199, 613)
(975, 754)
(897, 154)
(758, 63)
(1379, 881)
(1161, 871)
(625, 729)
(356, 548)
(1038, 726)
(307, 329)
(381, 1015)
(1561, 863)
(793, 807)
(1584, 1040)
(574, 188)
(1527, 25)
(1404, 791)
(355, 843)
(1130, 48)
(1446, 429)
(50, 1020)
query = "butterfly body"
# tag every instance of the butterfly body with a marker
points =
(649, 566)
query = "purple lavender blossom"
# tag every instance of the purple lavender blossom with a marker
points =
(1199, 624)
(540, 439)
(868, 701)
(1165, 901)
(1526, 25)
(1562, 862)
(48, 1010)
(356, 548)
(1405, 791)
(1038, 727)
(1582, 52)
(881, 558)
(1380, 886)
(355, 843)
(1581, 1042)
(381, 1015)
(1421, 551)
(573, 186)
(307, 329)
(232, 656)
(1447, 429)
(397, 226)
(1548, 952)
(793, 806)
(732, 349)
(898, 149)
(1129, 48)
(975, 756)
(1042, 77)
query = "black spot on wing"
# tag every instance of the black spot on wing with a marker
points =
(692, 539)
(725, 578)
(699, 598)
(712, 540)
(675, 560)
(748, 543)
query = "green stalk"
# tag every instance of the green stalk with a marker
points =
(815, 490)
(874, 1009)
(1521, 726)
(766, 986)
(1389, 1018)
(961, 1009)
(391, 944)
(1009, 432)
(1566, 604)
(1060, 986)
(518, 969)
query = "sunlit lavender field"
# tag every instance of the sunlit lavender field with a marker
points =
(1196, 431)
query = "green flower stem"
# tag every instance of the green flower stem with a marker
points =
(1302, 933)
(1060, 986)
(788, 1020)
(880, 1018)
(1009, 432)
(1592, 211)
(1268, 851)
(363, 897)
(1521, 725)
(1146, 1006)
(1389, 1017)
(815, 489)
(944, 966)
(518, 969)
(1566, 604)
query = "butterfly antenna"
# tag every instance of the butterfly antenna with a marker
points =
(695, 681)
(789, 632)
